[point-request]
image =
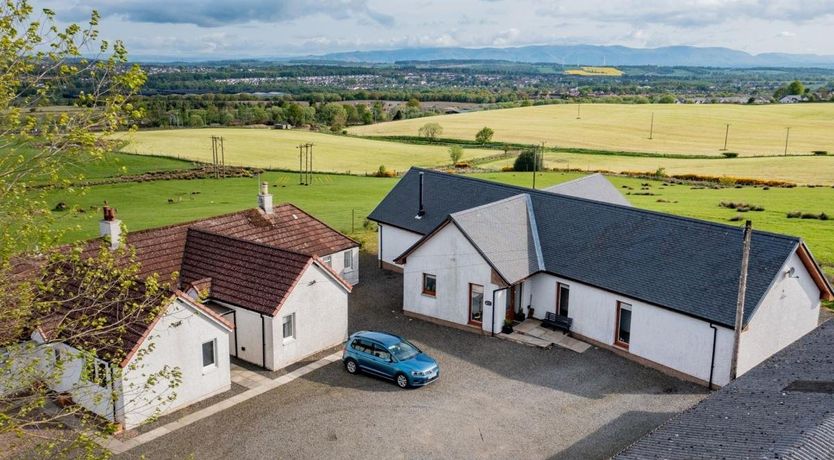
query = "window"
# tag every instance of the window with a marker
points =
(382, 353)
(209, 358)
(623, 333)
(476, 303)
(349, 259)
(429, 284)
(98, 372)
(562, 299)
(328, 260)
(362, 346)
(289, 326)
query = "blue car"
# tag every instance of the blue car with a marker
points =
(391, 357)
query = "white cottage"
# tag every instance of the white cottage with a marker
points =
(657, 288)
(250, 284)
(185, 336)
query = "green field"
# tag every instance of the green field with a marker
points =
(337, 199)
(678, 129)
(277, 149)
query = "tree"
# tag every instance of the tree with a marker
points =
(67, 292)
(413, 103)
(796, 88)
(430, 131)
(455, 153)
(528, 160)
(484, 135)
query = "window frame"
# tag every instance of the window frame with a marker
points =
(427, 292)
(471, 321)
(328, 260)
(559, 287)
(284, 322)
(348, 260)
(213, 363)
(620, 307)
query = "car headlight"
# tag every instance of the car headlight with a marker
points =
(418, 373)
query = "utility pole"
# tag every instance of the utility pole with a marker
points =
(726, 136)
(222, 157)
(651, 128)
(300, 165)
(787, 136)
(742, 290)
(579, 111)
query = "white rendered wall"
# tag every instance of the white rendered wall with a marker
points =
(351, 275)
(320, 305)
(789, 310)
(97, 399)
(248, 328)
(393, 242)
(456, 263)
(177, 342)
(674, 340)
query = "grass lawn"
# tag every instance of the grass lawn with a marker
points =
(818, 170)
(277, 149)
(335, 199)
(678, 129)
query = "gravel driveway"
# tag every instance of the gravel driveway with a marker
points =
(495, 399)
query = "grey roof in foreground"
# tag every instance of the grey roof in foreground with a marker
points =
(686, 265)
(504, 232)
(593, 187)
(755, 416)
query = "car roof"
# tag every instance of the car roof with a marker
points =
(381, 337)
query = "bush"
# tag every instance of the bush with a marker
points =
(484, 135)
(528, 160)
(507, 169)
(794, 214)
(823, 216)
(384, 172)
(430, 131)
(820, 153)
(729, 154)
(809, 215)
(455, 154)
(727, 181)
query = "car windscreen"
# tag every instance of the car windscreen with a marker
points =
(403, 350)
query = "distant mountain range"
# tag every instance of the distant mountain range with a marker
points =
(589, 55)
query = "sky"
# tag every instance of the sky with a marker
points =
(220, 29)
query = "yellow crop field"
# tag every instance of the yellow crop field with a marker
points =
(815, 170)
(596, 72)
(683, 129)
(271, 148)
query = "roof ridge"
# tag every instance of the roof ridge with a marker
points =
(549, 195)
(243, 240)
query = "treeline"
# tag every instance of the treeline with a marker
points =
(239, 110)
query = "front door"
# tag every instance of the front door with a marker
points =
(511, 303)
(476, 304)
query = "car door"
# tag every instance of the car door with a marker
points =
(382, 361)
(364, 355)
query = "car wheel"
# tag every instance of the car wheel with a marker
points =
(402, 381)
(351, 366)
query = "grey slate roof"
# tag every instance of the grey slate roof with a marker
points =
(504, 232)
(593, 187)
(682, 264)
(754, 416)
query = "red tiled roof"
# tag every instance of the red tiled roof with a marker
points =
(160, 250)
(252, 275)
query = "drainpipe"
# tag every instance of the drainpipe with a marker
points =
(492, 328)
(234, 318)
(712, 362)
(263, 340)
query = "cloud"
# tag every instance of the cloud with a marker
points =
(692, 13)
(217, 13)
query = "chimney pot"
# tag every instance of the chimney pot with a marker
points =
(265, 198)
(110, 227)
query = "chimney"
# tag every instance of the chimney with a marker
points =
(265, 198)
(110, 227)
(421, 211)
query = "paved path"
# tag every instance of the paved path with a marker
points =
(257, 385)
